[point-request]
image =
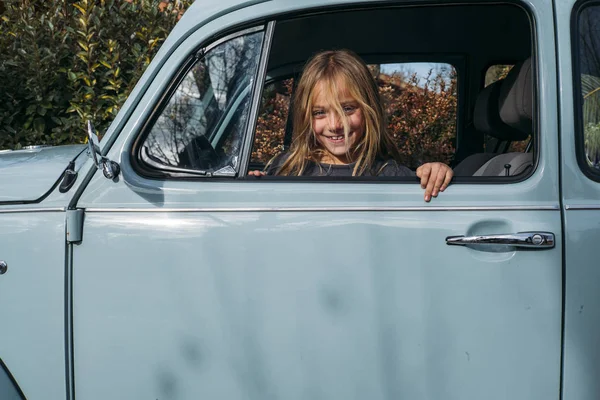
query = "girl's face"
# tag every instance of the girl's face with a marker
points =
(329, 128)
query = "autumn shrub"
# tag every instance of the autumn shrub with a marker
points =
(66, 61)
(422, 117)
(270, 126)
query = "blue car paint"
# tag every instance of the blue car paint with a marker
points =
(27, 175)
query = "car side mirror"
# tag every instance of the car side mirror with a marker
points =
(109, 168)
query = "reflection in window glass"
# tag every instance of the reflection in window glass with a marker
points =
(589, 67)
(495, 73)
(202, 126)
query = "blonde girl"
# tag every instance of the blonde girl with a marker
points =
(339, 127)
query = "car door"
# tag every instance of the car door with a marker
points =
(229, 287)
(578, 38)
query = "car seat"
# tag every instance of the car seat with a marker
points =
(504, 111)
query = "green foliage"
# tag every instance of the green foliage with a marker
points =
(67, 61)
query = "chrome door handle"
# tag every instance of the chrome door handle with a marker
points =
(529, 240)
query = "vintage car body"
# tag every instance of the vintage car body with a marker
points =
(187, 287)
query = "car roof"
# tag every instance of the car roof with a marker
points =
(491, 31)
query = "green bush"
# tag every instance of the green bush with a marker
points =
(66, 61)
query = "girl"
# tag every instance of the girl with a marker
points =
(339, 127)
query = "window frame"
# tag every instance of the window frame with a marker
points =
(162, 172)
(267, 25)
(590, 172)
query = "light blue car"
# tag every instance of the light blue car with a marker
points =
(149, 265)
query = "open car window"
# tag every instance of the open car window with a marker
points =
(409, 90)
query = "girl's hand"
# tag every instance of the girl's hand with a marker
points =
(256, 173)
(435, 178)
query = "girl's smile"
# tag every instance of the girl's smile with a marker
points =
(329, 128)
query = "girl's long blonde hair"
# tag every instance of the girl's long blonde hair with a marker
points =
(333, 69)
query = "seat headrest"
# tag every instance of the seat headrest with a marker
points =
(516, 98)
(487, 118)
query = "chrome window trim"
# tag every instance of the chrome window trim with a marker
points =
(583, 207)
(321, 209)
(32, 210)
(255, 100)
(224, 39)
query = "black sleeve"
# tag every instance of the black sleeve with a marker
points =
(392, 168)
(275, 164)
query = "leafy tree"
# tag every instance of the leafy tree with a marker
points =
(66, 61)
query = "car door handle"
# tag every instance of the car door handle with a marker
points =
(529, 240)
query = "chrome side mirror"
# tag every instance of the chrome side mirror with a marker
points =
(109, 168)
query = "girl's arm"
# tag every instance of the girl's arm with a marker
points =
(272, 166)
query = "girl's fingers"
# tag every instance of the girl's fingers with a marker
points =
(423, 172)
(435, 178)
(449, 175)
(430, 189)
(440, 176)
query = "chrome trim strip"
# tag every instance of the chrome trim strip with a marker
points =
(583, 207)
(256, 96)
(32, 210)
(233, 36)
(319, 209)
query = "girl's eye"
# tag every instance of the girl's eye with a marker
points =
(318, 113)
(349, 109)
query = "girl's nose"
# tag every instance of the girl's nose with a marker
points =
(335, 123)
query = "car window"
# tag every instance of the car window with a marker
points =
(410, 90)
(429, 85)
(588, 65)
(201, 127)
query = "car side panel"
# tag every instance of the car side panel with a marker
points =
(295, 305)
(32, 308)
